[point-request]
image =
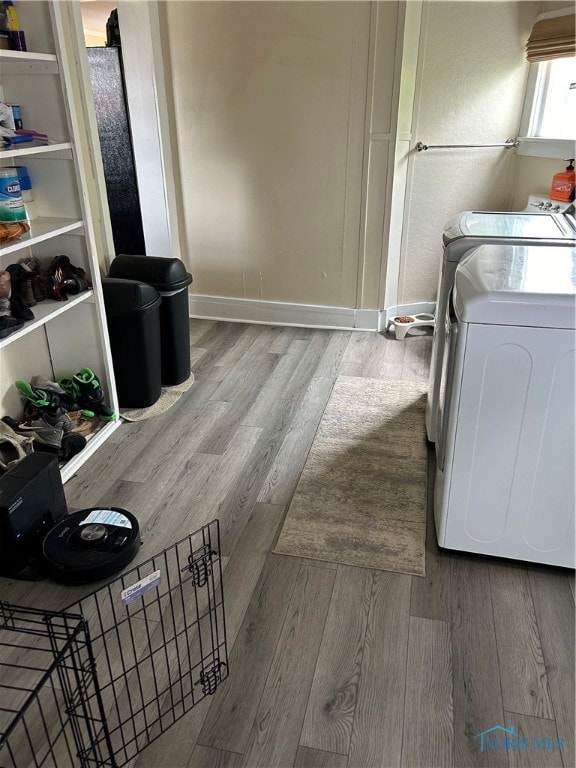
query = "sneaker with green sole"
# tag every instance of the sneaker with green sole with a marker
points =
(85, 388)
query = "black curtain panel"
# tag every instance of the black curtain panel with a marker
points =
(107, 78)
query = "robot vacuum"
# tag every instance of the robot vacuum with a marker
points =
(90, 545)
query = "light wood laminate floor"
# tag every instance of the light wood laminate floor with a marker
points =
(330, 666)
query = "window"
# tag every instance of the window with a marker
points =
(554, 111)
(548, 127)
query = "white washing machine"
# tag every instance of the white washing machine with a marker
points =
(505, 481)
(554, 225)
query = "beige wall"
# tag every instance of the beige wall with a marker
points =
(270, 103)
(470, 88)
(285, 166)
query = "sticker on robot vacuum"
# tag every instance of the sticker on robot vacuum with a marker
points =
(108, 517)
(137, 590)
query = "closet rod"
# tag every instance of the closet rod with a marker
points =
(507, 144)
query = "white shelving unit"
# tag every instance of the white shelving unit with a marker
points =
(64, 336)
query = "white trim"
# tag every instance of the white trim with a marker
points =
(283, 313)
(418, 308)
(561, 149)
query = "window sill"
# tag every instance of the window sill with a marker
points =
(561, 149)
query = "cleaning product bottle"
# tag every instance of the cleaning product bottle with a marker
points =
(11, 16)
(563, 184)
(11, 202)
(26, 189)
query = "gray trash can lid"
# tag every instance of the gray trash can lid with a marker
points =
(164, 274)
(121, 297)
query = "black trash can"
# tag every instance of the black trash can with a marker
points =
(133, 314)
(170, 279)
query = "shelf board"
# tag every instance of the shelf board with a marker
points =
(37, 149)
(43, 229)
(44, 312)
(28, 62)
(94, 442)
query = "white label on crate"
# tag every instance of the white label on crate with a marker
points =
(137, 590)
(107, 517)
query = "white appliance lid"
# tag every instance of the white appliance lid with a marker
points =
(517, 285)
(486, 225)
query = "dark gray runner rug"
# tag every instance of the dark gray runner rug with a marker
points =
(361, 497)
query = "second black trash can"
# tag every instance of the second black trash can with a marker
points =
(133, 315)
(169, 277)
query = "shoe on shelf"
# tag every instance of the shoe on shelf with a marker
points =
(19, 308)
(66, 279)
(85, 388)
(43, 399)
(8, 325)
(21, 279)
(13, 446)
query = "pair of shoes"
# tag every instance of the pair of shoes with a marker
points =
(65, 279)
(42, 399)
(39, 435)
(43, 434)
(85, 389)
(45, 398)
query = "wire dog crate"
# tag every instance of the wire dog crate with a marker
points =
(93, 685)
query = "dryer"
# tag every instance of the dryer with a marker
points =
(553, 226)
(505, 479)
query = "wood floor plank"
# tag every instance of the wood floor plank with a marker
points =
(431, 595)
(175, 746)
(286, 335)
(176, 440)
(522, 668)
(246, 563)
(234, 354)
(315, 758)
(329, 364)
(274, 737)
(246, 390)
(356, 348)
(555, 615)
(332, 703)
(477, 688)
(207, 757)
(198, 329)
(279, 485)
(415, 366)
(537, 742)
(572, 587)
(240, 499)
(428, 737)
(245, 360)
(377, 730)
(231, 715)
(394, 354)
(275, 387)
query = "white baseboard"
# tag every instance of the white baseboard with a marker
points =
(420, 307)
(281, 313)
